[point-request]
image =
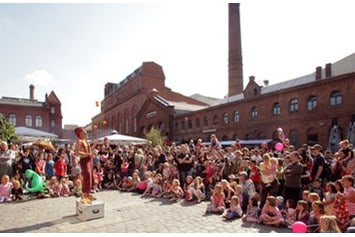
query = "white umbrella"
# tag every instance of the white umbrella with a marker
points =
(119, 139)
(30, 134)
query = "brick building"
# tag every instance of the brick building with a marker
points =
(308, 108)
(41, 115)
(123, 101)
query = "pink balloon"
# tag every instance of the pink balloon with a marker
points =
(279, 146)
(299, 227)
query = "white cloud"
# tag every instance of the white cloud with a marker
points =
(39, 77)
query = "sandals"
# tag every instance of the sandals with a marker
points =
(85, 201)
(91, 197)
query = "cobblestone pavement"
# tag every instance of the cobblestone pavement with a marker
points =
(124, 213)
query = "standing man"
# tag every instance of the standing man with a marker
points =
(293, 173)
(318, 162)
(7, 158)
(83, 150)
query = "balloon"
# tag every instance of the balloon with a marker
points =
(279, 146)
(299, 227)
(37, 182)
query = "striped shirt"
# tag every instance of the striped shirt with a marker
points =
(351, 205)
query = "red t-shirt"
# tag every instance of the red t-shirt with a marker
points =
(60, 168)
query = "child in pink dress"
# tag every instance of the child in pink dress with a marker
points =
(5, 189)
(270, 214)
(217, 205)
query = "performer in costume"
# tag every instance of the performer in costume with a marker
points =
(83, 150)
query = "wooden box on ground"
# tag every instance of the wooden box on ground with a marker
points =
(91, 211)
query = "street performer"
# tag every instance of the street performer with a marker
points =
(83, 151)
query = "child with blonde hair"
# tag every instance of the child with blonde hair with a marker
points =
(5, 189)
(328, 224)
(175, 191)
(53, 187)
(234, 211)
(64, 187)
(77, 188)
(217, 205)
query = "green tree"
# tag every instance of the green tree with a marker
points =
(7, 130)
(154, 136)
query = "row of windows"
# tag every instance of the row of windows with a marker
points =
(335, 99)
(29, 121)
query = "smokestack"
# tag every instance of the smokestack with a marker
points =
(328, 70)
(32, 92)
(318, 73)
(235, 64)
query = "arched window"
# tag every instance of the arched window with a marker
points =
(336, 98)
(198, 122)
(215, 119)
(205, 121)
(38, 121)
(312, 136)
(225, 118)
(236, 117)
(12, 119)
(28, 121)
(294, 105)
(311, 103)
(254, 113)
(177, 126)
(189, 124)
(183, 124)
(276, 109)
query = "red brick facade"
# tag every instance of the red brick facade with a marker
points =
(45, 116)
(123, 101)
(297, 125)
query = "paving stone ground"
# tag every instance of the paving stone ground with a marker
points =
(124, 213)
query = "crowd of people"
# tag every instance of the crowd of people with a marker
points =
(276, 187)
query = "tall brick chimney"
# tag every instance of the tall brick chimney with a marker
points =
(235, 64)
(32, 92)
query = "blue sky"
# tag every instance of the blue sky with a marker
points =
(75, 49)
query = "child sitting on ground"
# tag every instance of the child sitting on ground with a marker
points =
(302, 213)
(5, 189)
(234, 211)
(252, 214)
(64, 187)
(217, 205)
(270, 214)
(53, 187)
(328, 224)
(175, 191)
(289, 213)
(77, 189)
(16, 191)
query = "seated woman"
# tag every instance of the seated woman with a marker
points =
(270, 214)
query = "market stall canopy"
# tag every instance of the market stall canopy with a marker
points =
(29, 134)
(119, 139)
